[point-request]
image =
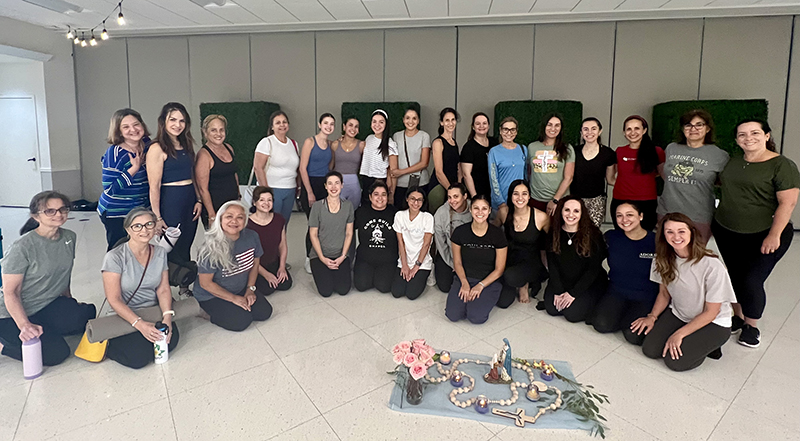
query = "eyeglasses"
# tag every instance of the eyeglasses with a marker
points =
(507, 130)
(416, 199)
(691, 126)
(138, 227)
(50, 212)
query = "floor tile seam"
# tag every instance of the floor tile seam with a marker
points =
(510, 325)
(302, 389)
(633, 424)
(22, 411)
(169, 403)
(356, 398)
(189, 389)
(594, 364)
(768, 369)
(746, 409)
(281, 357)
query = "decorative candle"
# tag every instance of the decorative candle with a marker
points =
(546, 374)
(533, 393)
(482, 404)
(457, 380)
(444, 358)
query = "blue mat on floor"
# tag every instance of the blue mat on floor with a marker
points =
(436, 399)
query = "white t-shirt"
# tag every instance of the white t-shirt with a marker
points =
(372, 163)
(696, 284)
(415, 144)
(283, 161)
(413, 236)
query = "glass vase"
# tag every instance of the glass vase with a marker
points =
(413, 391)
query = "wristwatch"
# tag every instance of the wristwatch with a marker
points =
(418, 263)
(555, 201)
(252, 288)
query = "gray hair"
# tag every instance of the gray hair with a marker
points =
(136, 212)
(217, 249)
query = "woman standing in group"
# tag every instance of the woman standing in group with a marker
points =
(170, 166)
(379, 158)
(275, 164)
(479, 257)
(475, 156)
(753, 224)
(445, 159)
(215, 169)
(507, 163)
(347, 159)
(125, 184)
(630, 294)
(552, 164)
(595, 167)
(690, 172)
(36, 300)
(316, 160)
(376, 259)
(271, 229)
(447, 218)
(228, 265)
(414, 148)
(638, 165)
(135, 276)
(575, 260)
(414, 230)
(330, 227)
(526, 228)
(697, 290)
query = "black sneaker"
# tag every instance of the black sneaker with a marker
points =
(750, 336)
(736, 323)
(716, 354)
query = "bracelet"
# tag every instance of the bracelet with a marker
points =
(481, 284)
(133, 325)
(171, 312)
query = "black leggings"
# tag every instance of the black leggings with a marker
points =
(747, 266)
(177, 204)
(378, 275)
(63, 316)
(264, 287)
(444, 274)
(517, 274)
(412, 288)
(366, 183)
(614, 313)
(583, 305)
(135, 351)
(114, 229)
(232, 317)
(695, 346)
(328, 280)
(648, 209)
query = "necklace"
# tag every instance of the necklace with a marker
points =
(570, 236)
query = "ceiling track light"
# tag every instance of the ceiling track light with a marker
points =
(120, 17)
(70, 34)
(83, 40)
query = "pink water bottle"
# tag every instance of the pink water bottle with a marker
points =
(32, 358)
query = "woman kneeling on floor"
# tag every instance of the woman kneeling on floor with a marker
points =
(479, 258)
(414, 230)
(271, 229)
(135, 276)
(228, 265)
(698, 291)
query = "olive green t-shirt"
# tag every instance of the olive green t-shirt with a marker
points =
(749, 198)
(546, 170)
(46, 267)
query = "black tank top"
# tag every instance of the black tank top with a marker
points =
(525, 244)
(450, 159)
(222, 183)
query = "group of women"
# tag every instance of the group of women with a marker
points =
(488, 225)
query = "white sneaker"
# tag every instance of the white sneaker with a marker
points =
(431, 279)
(308, 265)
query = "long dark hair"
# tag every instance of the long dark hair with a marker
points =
(560, 146)
(38, 202)
(687, 118)
(184, 139)
(472, 126)
(764, 127)
(511, 208)
(587, 231)
(384, 147)
(665, 254)
(647, 156)
(442, 114)
(599, 126)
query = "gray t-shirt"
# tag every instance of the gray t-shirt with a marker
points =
(244, 252)
(414, 144)
(121, 261)
(332, 227)
(46, 267)
(690, 177)
(696, 284)
(445, 221)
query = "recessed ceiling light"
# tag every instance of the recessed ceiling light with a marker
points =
(59, 6)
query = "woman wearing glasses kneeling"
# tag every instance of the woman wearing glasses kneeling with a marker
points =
(227, 271)
(134, 277)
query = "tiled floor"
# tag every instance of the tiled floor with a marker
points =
(317, 371)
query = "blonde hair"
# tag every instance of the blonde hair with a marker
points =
(207, 122)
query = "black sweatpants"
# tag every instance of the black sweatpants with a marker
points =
(648, 208)
(114, 229)
(614, 313)
(329, 281)
(476, 311)
(583, 305)
(412, 288)
(63, 316)
(177, 204)
(264, 287)
(747, 267)
(135, 351)
(695, 347)
(517, 274)
(443, 273)
(378, 275)
(366, 183)
(232, 317)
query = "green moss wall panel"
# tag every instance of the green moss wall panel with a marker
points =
(530, 114)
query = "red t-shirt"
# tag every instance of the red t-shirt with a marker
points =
(631, 184)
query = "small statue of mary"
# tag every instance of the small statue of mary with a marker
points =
(507, 353)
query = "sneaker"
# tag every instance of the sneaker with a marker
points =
(716, 354)
(308, 265)
(750, 336)
(431, 279)
(736, 323)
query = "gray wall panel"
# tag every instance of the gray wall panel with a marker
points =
(283, 72)
(791, 137)
(483, 79)
(159, 73)
(421, 66)
(665, 66)
(101, 80)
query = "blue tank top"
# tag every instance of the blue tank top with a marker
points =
(178, 168)
(319, 161)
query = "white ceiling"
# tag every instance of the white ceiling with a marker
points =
(146, 17)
